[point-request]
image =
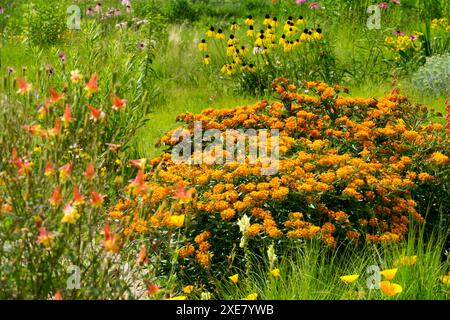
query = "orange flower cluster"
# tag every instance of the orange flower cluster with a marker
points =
(347, 171)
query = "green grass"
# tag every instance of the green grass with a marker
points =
(311, 272)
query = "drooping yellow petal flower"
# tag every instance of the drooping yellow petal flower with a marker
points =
(389, 274)
(234, 278)
(350, 278)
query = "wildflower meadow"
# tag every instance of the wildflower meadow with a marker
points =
(224, 150)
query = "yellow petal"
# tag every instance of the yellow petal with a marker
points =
(445, 279)
(350, 278)
(251, 296)
(275, 272)
(234, 278)
(177, 220)
(389, 274)
(188, 289)
(178, 298)
(391, 289)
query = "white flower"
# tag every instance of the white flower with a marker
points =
(205, 295)
(257, 50)
(271, 254)
(243, 223)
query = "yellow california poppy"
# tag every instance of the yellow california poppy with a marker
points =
(389, 274)
(251, 296)
(188, 289)
(445, 279)
(391, 289)
(234, 278)
(177, 220)
(178, 298)
(350, 278)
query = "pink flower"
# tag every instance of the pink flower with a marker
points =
(383, 5)
(413, 37)
(89, 12)
(300, 1)
(398, 33)
(98, 7)
(314, 6)
(396, 1)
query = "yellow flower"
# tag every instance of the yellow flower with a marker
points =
(406, 260)
(275, 272)
(234, 278)
(220, 35)
(76, 76)
(70, 215)
(177, 220)
(206, 60)
(445, 279)
(203, 46)
(350, 278)
(251, 296)
(188, 289)
(249, 21)
(389, 274)
(178, 298)
(391, 289)
(439, 158)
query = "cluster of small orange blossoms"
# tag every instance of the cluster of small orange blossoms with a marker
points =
(202, 254)
(347, 170)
